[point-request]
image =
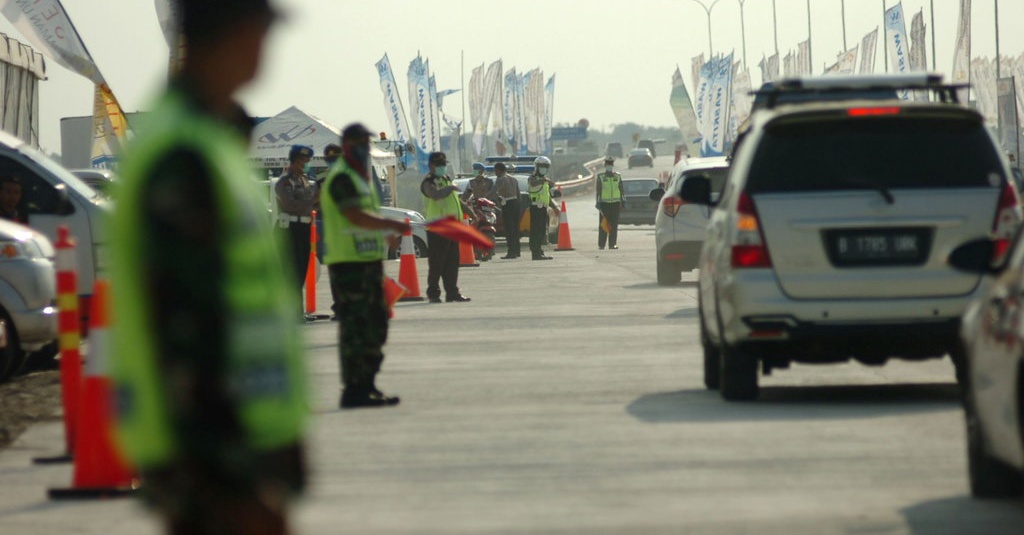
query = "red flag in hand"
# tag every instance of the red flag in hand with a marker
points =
(453, 229)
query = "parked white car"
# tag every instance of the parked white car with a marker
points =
(992, 332)
(27, 295)
(679, 228)
(831, 238)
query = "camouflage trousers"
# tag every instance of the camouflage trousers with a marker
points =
(362, 321)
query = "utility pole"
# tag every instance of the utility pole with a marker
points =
(707, 10)
(810, 56)
(933, 34)
(842, 5)
(775, 25)
(743, 34)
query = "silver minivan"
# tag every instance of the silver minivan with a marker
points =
(27, 295)
(831, 237)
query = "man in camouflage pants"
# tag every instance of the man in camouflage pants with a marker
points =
(356, 245)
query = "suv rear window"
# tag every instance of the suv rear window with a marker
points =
(837, 153)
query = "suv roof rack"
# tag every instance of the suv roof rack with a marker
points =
(854, 84)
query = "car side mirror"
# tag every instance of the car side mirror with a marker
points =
(974, 257)
(656, 194)
(697, 190)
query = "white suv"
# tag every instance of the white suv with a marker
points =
(831, 238)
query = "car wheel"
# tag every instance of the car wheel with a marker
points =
(711, 356)
(668, 273)
(990, 477)
(418, 246)
(12, 358)
(737, 375)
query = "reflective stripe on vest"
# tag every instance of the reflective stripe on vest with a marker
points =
(264, 370)
(346, 242)
(447, 206)
(540, 195)
(610, 187)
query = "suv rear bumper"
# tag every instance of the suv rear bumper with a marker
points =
(756, 315)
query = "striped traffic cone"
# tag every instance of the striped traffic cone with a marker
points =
(99, 470)
(69, 337)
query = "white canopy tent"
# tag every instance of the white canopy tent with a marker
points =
(274, 137)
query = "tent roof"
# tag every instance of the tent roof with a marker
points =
(273, 138)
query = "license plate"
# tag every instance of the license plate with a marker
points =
(878, 247)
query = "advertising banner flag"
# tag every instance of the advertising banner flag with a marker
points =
(773, 67)
(899, 45)
(435, 112)
(918, 48)
(109, 128)
(47, 26)
(1009, 125)
(983, 81)
(476, 97)
(962, 51)
(549, 111)
(742, 102)
(422, 125)
(789, 66)
(682, 108)
(508, 104)
(521, 126)
(716, 121)
(490, 96)
(803, 58)
(533, 87)
(867, 52)
(393, 102)
(701, 105)
(696, 64)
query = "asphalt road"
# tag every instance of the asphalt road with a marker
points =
(567, 398)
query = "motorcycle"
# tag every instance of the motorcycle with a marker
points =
(484, 217)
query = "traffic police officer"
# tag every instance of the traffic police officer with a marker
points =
(441, 199)
(207, 358)
(539, 186)
(356, 248)
(609, 204)
(297, 195)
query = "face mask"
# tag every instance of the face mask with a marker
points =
(541, 171)
(361, 154)
(441, 170)
(306, 168)
(608, 168)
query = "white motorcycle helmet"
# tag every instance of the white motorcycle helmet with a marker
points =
(542, 162)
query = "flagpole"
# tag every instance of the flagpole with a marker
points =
(810, 56)
(743, 32)
(933, 34)
(775, 23)
(885, 41)
(842, 6)
(997, 38)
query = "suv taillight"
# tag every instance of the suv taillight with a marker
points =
(749, 249)
(670, 205)
(1007, 219)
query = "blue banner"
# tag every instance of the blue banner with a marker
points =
(899, 45)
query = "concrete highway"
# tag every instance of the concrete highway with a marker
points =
(567, 398)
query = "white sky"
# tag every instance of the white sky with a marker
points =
(614, 60)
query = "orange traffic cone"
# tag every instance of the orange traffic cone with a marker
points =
(99, 470)
(393, 292)
(68, 326)
(407, 276)
(311, 270)
(467, 257)
(564, 239)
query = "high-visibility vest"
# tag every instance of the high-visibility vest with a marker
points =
(346, 242)
(447, 206)
(540, 194)
(263, 365)
(610, 187)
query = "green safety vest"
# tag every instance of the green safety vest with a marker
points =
(346, 242)
(448, 206)
(264, 368)
(540, 195)
(610, 187)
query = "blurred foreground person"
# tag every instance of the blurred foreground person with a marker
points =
(356, 248)
(207, 357)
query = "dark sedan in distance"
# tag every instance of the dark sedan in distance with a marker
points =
(637, 206)
(640, 158)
